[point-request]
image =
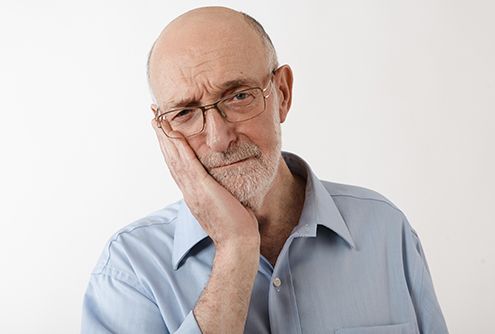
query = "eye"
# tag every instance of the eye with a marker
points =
(182, 115)
(240, 99)
(240, 96)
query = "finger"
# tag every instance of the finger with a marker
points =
(181, 159)
(186, 154)
(184, 150)
(168, 148)
(190, 159)
(173, 157)
(169, 151)
(162, 138)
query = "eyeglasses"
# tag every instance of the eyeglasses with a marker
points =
(239, 106)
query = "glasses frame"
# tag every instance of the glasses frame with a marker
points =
(206, 107)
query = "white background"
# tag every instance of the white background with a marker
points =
(396, 96)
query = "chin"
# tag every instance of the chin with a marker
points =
(249, 183)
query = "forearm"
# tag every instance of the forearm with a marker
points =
(224, 303)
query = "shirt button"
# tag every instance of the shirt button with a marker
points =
(277, 282)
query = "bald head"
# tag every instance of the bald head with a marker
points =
(200, 35)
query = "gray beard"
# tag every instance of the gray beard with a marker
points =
(250, 180)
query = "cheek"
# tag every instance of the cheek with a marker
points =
(267, 135)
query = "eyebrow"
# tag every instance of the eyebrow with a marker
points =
(223, 87)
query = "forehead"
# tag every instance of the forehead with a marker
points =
(194, 64)
(188, 97)
(208, 79)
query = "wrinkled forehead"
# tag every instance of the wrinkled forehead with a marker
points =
(199, 58)
(208, 73)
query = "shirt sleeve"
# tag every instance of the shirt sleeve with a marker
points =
(428, 313)
(115, 303)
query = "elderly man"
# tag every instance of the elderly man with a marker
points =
(258, 244)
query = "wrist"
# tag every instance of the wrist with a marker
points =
(239, 247)
(238, 252)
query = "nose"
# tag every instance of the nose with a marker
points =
(219, 133)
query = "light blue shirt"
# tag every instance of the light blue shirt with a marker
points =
(353, 265)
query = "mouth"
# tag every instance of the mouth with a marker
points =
(233, 163)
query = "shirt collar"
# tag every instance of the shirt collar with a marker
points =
(319, 209)
(188, 232)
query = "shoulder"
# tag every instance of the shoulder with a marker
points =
(356, 201)
(348, 191)
(150, 235)
(371, 217)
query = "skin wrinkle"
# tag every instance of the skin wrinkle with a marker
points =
(221, 89)
(202, 89)
(197, 80)
(216, 91)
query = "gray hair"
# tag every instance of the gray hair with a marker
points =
(271, 53)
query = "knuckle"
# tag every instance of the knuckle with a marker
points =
(175, 165)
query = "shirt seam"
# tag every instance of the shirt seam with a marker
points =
(421, 286)
(421, 265)
(136, 285)
(370, 199)
(129, 231)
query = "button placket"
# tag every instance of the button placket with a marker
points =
(281, 299)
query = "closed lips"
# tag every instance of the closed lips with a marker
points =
(232, 163)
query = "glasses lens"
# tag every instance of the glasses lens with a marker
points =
(243, 105)
(187, 121)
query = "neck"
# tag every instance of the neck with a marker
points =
(280, 211)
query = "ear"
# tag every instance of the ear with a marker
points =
(283, 82)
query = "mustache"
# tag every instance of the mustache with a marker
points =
(234, 153)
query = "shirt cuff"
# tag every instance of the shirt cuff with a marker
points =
(189, 325)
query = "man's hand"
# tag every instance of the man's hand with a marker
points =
(224, 302)
(221, 215)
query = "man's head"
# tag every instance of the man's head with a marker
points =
(204, 55)
(270, 52)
